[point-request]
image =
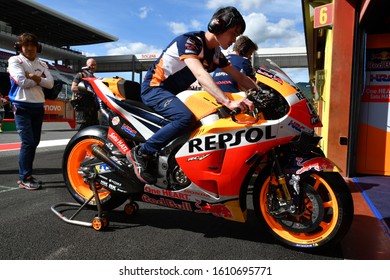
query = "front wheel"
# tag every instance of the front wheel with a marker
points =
(324, 219)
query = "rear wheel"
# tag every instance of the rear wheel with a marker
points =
(79, 151)
(323, 221)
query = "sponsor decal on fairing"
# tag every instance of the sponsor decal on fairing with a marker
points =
(230, 139)
(118, 141)
(129, 130)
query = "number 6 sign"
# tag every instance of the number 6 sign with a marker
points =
(323, 15)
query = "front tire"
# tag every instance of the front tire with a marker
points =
(325, 220)
(75, 153)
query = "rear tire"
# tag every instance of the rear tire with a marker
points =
(327, 217)
(75, 153)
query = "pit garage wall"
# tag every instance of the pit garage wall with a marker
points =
(374, 125)
(337, 91)
(356, 131)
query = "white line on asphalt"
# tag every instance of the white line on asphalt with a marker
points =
(51, 143)
(7, 189)
(44, 143)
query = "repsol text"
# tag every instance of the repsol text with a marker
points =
(224, 140)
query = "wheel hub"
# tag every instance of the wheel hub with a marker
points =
(307, 220)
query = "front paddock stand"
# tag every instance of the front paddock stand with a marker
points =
(98, 223)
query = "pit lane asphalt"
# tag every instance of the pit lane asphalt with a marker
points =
(29, 230)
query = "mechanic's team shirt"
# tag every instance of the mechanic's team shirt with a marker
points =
(170, 71)
(226, 82)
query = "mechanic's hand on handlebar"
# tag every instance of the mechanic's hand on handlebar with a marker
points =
(242, 105)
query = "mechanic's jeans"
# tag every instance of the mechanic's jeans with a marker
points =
(28, 123)
(169, 106)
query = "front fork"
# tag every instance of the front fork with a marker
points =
(279, 196)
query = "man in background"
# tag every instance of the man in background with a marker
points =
(85, 105)
(241, 60)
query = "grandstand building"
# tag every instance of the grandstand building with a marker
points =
(58, 34)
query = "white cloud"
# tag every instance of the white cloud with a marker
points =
(196, 24)
(220, 3)
(241, 5)
(89, 54)
(131, 48)
(177, 27)
(269, 34)
(143, 12)
(250, 5)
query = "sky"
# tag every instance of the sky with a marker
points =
(147, 26)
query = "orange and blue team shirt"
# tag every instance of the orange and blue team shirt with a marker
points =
(226, 82)
(170, 71)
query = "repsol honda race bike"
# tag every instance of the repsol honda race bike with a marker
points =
(271, 153)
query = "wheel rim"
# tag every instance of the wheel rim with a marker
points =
(97, 223)
(78, 153)
(325, 227)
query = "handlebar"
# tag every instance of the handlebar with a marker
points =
(267, 101)
(235, 111)
(250, 97)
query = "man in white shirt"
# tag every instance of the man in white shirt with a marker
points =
(28, 74)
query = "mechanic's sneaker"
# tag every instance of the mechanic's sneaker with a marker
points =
(141, 163)
(30, 183)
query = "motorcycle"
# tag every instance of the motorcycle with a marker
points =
(272, 153)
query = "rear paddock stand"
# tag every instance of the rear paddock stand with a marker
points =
(100, 221)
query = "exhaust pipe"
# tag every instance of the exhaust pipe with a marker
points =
(117, 165)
